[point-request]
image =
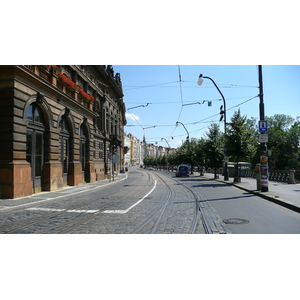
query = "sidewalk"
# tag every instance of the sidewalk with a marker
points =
(284, 194)
(12, 204)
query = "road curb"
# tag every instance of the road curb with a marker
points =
(279, 201)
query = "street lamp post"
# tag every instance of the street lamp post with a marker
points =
(163, 139)
(188, 142)
(200, 81)
(188, 135)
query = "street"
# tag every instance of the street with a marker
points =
(149, 202)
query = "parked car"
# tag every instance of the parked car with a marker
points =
(183, 170)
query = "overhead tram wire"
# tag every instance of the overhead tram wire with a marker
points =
(181, 98)
(226, 110)
(133, 116)
(188, 102)
(237, 105)
(193, 123)
(201, 121)
(161, 85)
(146, 86)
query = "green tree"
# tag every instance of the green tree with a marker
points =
(283, 142)
(213, 147)
(150, 161)
(191, 153)
(280, 122)
(239, 141)
(253, 128)
(161, 161)
(183, 154)
(200, 154)
(294, 146)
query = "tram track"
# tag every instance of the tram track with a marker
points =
(197, 213)
(175, 208)
(156, 215)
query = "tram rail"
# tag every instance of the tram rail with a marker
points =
(150, 222)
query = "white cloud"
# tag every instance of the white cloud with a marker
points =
(132, 117)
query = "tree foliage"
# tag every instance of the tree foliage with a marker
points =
(214, 146)
(241, 144)
(284, 135)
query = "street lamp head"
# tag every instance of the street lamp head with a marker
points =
(177, 123)
(200, 79)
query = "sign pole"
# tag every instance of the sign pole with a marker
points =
(264, 172)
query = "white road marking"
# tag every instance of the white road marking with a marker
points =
(132, 206)
(90, 211)
(2, 208)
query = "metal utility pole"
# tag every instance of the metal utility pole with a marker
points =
(263, 128)
(223, 114)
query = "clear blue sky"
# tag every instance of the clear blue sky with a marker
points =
(160, 85)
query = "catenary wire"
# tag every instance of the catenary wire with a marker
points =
(193, 123)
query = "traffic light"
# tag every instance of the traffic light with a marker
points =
(114, 149)
(222, 112)
(209, 103)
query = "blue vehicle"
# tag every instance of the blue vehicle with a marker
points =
(183, 170)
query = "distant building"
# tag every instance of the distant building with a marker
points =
(59, 125)
(137, 150)
(127, 141)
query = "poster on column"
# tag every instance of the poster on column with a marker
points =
(264, 175)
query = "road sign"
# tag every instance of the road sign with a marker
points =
(263, 126)
(263, 138)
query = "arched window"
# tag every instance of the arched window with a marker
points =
(34, 114)
(35, 144)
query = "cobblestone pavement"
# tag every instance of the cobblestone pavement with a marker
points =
(143, 203)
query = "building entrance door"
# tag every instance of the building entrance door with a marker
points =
(35, 145)
(64, 148)
(84, 152)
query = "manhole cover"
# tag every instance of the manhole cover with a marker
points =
(235, 221)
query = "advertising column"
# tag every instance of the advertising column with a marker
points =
(264, 173)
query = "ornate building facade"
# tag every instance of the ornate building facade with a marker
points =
(59, 125)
